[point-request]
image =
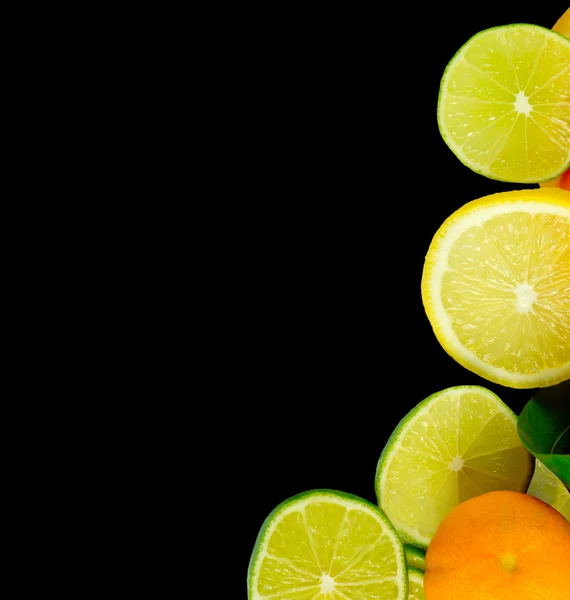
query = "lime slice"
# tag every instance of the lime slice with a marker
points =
(547, 487)
(327, 545)
(503, 105)
(456, 444)
(416, 584)
(415, 557)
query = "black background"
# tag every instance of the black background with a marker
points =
(347, 179)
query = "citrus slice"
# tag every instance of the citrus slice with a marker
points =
(415, 557)
(563, 27)
(496, 287)
(416, 584)
(503, 105)
(456, 444)
(547, 487)
(327, 545)
(563, 24)
(562, 182)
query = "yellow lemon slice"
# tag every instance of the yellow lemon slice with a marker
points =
(496, 287)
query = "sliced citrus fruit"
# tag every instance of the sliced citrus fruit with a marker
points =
(416, 584)
(563, 24)
(547, 487)
(415, 557)
(496, 287)
(563, 27)
(327, 545)
(456, 444)
(562, 182)
(504, 103)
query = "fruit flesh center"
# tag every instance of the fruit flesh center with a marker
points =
(327, 583)
(525, 297)
(506, 291)
(522, 105)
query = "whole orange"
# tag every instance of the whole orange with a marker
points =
(500, 546)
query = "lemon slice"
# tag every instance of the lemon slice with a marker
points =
(327, 545)
(415, 557)
(547, 487)
(456, 444)
(504, 103)
(496, 287)
(416, 584)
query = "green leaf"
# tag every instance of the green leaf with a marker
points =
(544, 428)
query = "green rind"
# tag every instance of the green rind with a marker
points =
(415, 554)
(440, 96)
(319, 492)
(397, 431)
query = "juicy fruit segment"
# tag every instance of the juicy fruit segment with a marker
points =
(454, 445)
(503, 105)
(563, 24)
(547, 487)
(496, 287)
(416, 584)
(325, 545)
(505, 545)
(415, 557)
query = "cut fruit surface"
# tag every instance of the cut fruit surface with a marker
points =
(415, 557)
(547, 487)
(496, 287)
(327, 545)
(456, 444)
(416, 584)
(562, 182)
(504, 103)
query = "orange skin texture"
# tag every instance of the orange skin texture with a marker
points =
(563, 24)
(501, 545)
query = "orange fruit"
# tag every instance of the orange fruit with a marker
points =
(562, 182)
(563, 24)
(500, 545)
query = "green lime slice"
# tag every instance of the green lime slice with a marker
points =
(504, 103)
(416, 584)
(415, 557)
(547, 487)
(456, 444)
(327, 545)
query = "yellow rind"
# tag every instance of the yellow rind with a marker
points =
(549, 196)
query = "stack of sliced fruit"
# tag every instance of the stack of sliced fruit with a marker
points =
(496, 290)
